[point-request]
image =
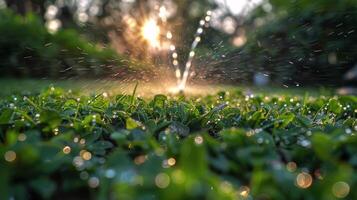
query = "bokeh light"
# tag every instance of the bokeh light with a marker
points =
(53, 25)
(291, 166)
(244, 191)
(86, 155)
(93, 182)
(162, 180)
(340, 189)
(171, 161)
(304, 180)
(21, 137)
(66, 150)
(198, 140)
(151, 32)
(10, 156)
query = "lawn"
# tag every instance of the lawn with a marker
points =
(92, 142)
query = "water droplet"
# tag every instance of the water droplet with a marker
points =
(200, 30)
(303, 180)
(66, 150)
(55, 131)
(192, 54)
(198, 140)
(140, 159)
(208, 18)
(86, 155)
(171, 162)
(82, 141)
(84, 175)
(78, 161)
(21, 137)
(110, 173)
(10, 156)
(291, 166)
(93, 182)
(340, 189)
(162, 180)
(169, 35)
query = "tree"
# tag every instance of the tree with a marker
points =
(24, 6)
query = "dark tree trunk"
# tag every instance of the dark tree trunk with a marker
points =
(19, 6)
(24, 6)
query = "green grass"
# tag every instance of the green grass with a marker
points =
(12, 86)
(57, 144)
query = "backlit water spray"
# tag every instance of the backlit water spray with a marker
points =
(169, 36)
(203, 23)
(151, 32)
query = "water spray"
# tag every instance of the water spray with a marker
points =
(175, 61)
(203, 23)
(173, 53)
(183, 78)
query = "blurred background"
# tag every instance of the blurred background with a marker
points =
(290, 43)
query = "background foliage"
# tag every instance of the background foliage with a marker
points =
(28, 50)
(293, 42)
(299, 42)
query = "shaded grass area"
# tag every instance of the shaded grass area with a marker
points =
(230, 145)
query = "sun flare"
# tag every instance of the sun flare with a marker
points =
(151, 32)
